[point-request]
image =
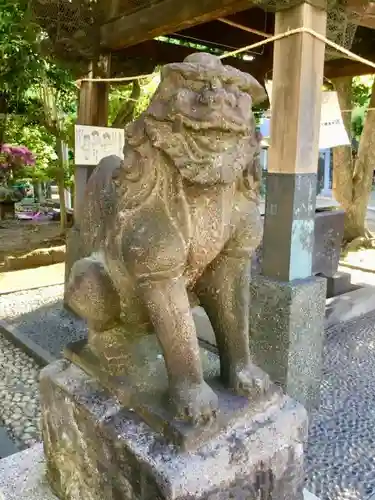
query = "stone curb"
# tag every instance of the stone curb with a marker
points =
(357, 268)
(23, 289)
(38, 257)
(40, 355)
(349, 306)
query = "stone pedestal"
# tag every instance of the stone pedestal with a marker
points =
(286, 333)
(96, 449)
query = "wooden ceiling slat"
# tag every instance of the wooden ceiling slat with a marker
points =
(224, 35)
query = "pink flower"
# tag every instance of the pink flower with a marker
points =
(16, 156)
(6, 149)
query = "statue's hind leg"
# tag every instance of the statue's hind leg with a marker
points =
(92, 296)
(224, 292)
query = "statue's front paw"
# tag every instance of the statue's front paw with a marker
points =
(197, 404)
(250, 381)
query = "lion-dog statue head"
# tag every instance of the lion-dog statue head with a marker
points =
(201, 118)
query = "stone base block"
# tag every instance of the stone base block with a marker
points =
(142, 384)
(96, 449)
(286, 334)
(338, 284)
(23, 477)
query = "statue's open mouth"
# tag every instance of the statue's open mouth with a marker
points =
(218, 124)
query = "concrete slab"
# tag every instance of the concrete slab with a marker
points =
(309, 496)
(349, 305)
(22, 477)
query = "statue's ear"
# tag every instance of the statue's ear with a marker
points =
(257, 91)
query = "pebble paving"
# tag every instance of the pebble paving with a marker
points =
(341, 447)
(19, 395)
(340, 456)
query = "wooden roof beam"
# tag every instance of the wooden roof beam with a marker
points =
(243, 27)
(166, 17)
(345, 67)
(363, 12)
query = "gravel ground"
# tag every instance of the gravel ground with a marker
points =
(19, 395)
(341, 449)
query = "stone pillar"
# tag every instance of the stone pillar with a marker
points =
(288, 304)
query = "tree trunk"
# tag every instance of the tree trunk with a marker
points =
(3, 117)
(352, 179)
(362, 175)
(342, 155)
(61, 183)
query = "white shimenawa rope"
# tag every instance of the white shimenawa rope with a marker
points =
(347, 53)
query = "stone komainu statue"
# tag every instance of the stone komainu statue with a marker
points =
(178, 215)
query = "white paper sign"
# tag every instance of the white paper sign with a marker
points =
(332, 129)
(94, 143)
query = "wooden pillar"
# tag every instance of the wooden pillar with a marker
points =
(293, 155)
(288, 304)
(92, 110)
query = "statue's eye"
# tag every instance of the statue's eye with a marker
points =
(233, 89)
(216, 84)
(196, 86)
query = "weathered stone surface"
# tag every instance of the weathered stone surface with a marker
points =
(96, 450)
(177, 217)
(286, 334)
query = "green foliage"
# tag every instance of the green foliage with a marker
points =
(361, 94)
(123, 94)
(38, 95)
(21, 63)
